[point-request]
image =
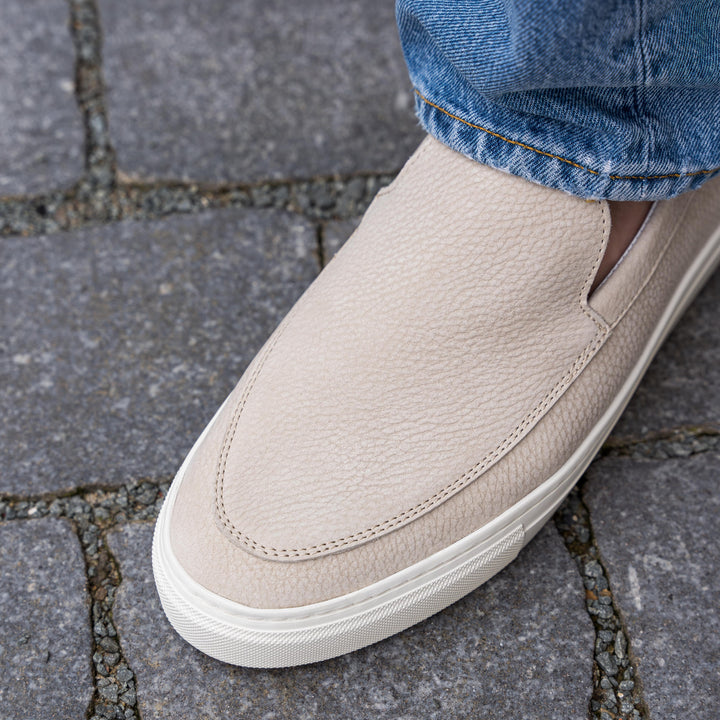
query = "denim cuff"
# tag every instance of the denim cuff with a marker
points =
(527, 149)
(616, 101)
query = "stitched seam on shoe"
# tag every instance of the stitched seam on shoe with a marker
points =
(558, 157)
(465, 479)
(656, 264)
(584, 291)
(230, 433)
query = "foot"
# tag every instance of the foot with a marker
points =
(626, 219)
(420, 413)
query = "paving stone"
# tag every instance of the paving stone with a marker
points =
(520, 647)
(41, 140)
(117, 344)
(44, 632)
(223, 90)
(335, 233)
(657, 525)
(682, 386)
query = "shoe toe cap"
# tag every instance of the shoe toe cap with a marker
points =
(215, 559)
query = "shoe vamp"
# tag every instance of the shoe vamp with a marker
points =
(443, 331)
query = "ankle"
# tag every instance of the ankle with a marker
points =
(627, 218)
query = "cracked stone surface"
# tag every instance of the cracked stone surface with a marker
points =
(222, 90)
(657, 526)
(117, 344)
(682, 386)
(516, 647)
(41, 141)
(44, 633)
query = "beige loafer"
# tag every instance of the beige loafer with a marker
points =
(421, 411)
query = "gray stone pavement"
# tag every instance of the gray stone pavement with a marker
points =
(45, 640)
(130, 306)
(658, 524)
(107, 332)
(41, 133)
(258, 89)
(515, 642)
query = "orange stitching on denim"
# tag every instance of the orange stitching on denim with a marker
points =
(557, 157)
(497, 135)
(660, 177)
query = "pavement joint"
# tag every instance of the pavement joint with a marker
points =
(317, 199)
(617, 689)
(100, 162)
(320, 251)
(677, 442)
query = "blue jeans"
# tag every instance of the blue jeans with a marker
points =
(615, 99)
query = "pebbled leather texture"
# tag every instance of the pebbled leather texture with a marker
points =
(431, 344)
(434, 333)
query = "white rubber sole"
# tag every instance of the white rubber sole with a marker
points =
(253, 637)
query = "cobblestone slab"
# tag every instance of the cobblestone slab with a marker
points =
(44, 633)
(657, 527)
(118, 344)
(682, 386)
(41, 135)
(520, 647)
(241, 91)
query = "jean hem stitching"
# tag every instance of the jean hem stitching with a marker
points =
(558, 157)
